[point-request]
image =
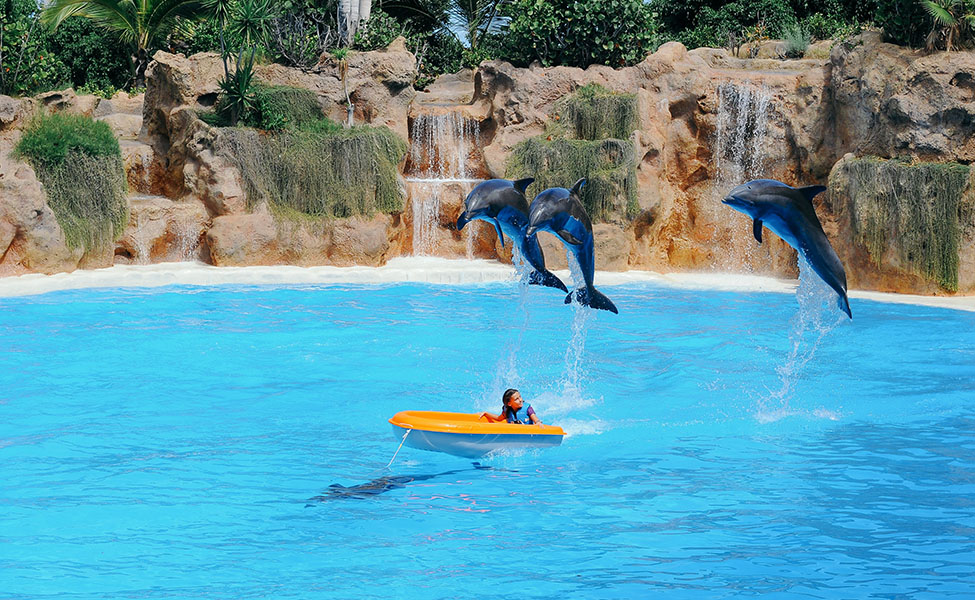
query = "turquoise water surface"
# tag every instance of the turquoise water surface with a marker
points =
(181, 443)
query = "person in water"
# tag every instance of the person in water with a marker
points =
(511, 404)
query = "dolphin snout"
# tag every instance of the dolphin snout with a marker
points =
(531, 230)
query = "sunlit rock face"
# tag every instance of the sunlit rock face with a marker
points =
(707, 121)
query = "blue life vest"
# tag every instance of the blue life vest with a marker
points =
(512, 416)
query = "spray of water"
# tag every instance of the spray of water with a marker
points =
(140, 242)
(816, 318)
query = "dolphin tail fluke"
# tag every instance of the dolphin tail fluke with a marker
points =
(593, 298)
(844, 303)
(547, 279)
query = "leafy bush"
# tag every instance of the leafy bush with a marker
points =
(79, 162)
(904, 21)
(379, 32)
(92, 57)
(49, 139)
(713, 26)
(568, 32)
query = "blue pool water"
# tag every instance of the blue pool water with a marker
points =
(180, 443)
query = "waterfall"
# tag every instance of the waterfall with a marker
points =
(742, 130)
(741, 153)
(440, 165)
(141, 242)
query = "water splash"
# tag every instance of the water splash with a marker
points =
(817, 316)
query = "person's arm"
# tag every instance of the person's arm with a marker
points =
(492, 418)
(533, 417)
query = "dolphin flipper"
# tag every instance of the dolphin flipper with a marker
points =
(568, 238)
(546, 278)
(593, 298)
(497, 227)
(757, 229)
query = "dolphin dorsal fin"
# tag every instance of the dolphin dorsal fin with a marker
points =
(522, 184)
(811, 191)
(577, 187)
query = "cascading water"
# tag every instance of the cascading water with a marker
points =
(740, 154)
(442, 149)
(140, 242)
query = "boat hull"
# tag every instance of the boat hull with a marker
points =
(466, 435)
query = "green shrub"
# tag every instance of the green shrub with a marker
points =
(79, 162)
(49, 139)
(338, 173)
(92, 56)
(904, 22)
(379, 32)
(912, 210)
(797, 40)
(569, 32)
(595, 113)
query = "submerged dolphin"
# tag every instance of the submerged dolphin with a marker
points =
(560, 211)
(502, 203)
(383, 484)
(789, 212)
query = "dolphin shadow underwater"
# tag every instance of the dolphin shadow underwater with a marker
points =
(789, 213)
(560, 212)
(502, 203)
(384, 484)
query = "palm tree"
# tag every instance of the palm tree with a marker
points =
(350, 14)
(950, 17)
(474, 18)
(141, 23)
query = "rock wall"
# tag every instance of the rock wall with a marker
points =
(707, 122)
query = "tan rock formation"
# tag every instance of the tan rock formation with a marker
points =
(161, 230)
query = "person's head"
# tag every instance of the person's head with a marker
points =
(512, 399)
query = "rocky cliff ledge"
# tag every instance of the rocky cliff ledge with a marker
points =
(706, 122)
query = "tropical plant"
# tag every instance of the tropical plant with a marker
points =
(569, 32)
(144, 24)
(903, 21)
(238, 88)
(951, 19)
(469, 21)
(250, 20)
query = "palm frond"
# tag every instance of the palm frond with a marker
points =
(117, 15)
(939, 11)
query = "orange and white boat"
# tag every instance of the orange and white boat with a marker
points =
(469, 435)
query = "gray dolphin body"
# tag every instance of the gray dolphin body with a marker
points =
(502, 203)
(789, 213)
(559, 211)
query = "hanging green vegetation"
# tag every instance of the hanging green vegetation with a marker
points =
(79, 162)
(282, 107)
(595, 113)
(912, 209)
(321, 173)
(608, 165)
(587, 137)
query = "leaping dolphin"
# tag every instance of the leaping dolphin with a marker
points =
(559, 211)
(502, 203)
(789, 212)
